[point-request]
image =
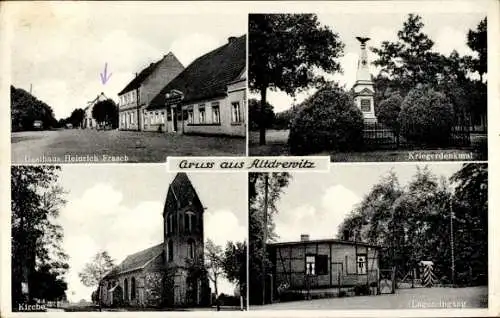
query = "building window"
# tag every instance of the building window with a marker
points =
(132, 288)
(170, 223)
(316, 264)
(235, 112)
(189, 220)
(310, 265)
(125, 289)
(215, 113)
(191, 248)
(321, 264)
(170, 251)
(201, 109)
(162, 117)
(190, 116)
(361, 263)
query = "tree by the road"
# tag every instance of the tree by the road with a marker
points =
(93, 271)
(76, 117)
(410, 60)
(36, 199)
(264, 190)
(235, 264)
(285, 53)
(412, 223)
(470, 206)
(106, 112)
(477, 40)
(214, 262)
(48, 285)
(26, 108)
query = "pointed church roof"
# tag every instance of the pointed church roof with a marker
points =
(182, 192)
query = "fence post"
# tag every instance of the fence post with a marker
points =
(393, 280)
(378, 281)
(338, 282)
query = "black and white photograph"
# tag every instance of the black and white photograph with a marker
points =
(124, 82)
(362, 86)
(408, 236)
(249, 158)
(88, 239)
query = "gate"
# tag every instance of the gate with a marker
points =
(386, 281)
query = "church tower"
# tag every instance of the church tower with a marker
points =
(363, 87)
(184, 243)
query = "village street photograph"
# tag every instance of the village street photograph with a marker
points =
(406, 236)
(405, 84)
(110, 87)
(87, 238)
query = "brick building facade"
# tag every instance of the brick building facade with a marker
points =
(166, 274)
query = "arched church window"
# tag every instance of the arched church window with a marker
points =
(189, 219)
(132, 288)
(191, 248)
(170, 223)
(125, 289)
(170, 251)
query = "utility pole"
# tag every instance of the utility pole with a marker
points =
(451, 243)
(264, 243)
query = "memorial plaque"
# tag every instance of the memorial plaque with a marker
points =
(365, 105)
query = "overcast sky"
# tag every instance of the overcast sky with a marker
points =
(60, 48)
(446, 23)
(118, 208)
(317, 203)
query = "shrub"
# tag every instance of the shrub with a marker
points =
(254, 114)
(361, 290)
(388, 111)
(328, 120)
(426, 117)
(291, 296)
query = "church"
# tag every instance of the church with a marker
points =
(167, 274)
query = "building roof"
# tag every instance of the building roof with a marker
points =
(144, 74)
(181, 191)
(137, 260)
(323, 241)
(208, 76)
(99, 97)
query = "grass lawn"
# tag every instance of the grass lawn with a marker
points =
(276, 145)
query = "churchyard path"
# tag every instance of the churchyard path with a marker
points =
(111, 146)
(416, 298)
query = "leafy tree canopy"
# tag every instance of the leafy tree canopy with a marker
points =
(287, 52)
(106, 111)
(93, 272)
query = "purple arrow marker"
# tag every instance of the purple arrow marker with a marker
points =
(104, 76)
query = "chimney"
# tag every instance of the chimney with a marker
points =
(231, 39)
(304, 237)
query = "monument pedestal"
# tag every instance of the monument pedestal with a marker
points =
(363, 87)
